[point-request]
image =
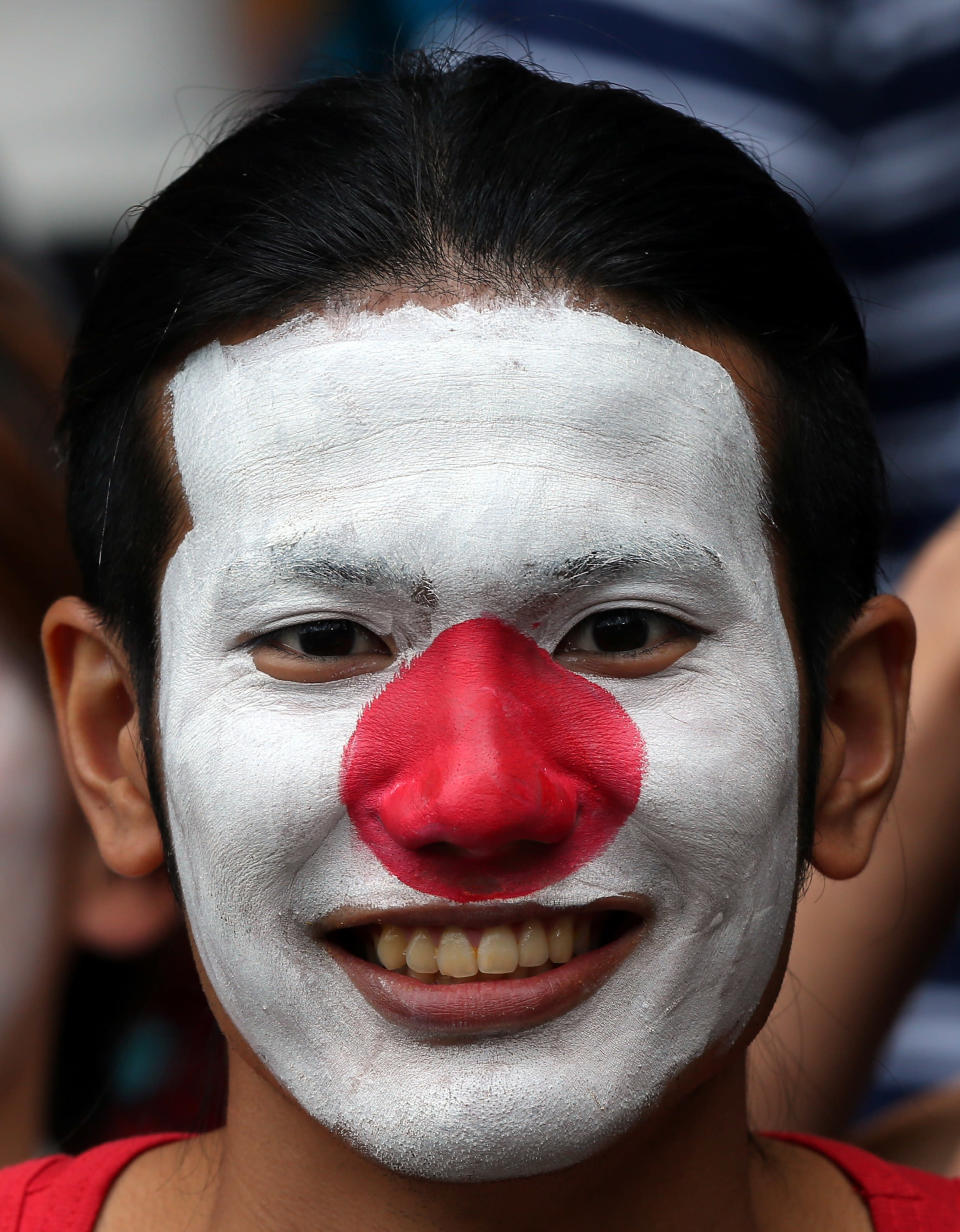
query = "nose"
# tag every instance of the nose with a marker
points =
(486, 770)
(484, 779)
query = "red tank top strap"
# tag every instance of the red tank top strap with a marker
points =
(899, 1199)
(63, 1193)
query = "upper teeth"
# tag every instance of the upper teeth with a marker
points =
(502, 949)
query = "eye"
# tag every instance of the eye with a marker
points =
(320, 650)
(626, 642)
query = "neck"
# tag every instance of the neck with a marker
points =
(692, 1168)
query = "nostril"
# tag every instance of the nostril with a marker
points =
(520, 854)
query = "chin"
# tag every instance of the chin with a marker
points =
(471, 1149)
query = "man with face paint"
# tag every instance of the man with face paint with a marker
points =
(478, 510)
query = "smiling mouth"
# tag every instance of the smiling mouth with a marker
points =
(431, 952)
(452, 973)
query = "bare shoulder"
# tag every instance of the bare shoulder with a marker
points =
(170, 1186)
(922, 1132)
(798, 1190)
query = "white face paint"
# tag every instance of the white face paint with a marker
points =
(472, 447)
(31, 806)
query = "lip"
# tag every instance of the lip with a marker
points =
(485, 1007)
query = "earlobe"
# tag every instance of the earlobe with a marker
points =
(863, 733)
(99, 734)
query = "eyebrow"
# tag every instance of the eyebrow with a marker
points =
(374, 574)
(672, 554)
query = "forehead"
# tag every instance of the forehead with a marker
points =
(531, 427)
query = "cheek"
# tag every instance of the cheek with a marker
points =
(485, 770)
(719, 808)
(252, 788)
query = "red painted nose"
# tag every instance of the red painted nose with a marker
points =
(486, 770)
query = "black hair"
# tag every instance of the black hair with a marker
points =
(489, 173)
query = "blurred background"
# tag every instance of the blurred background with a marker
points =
(854, 105)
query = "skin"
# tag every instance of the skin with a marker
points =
(31, 808)
(32, 824)
(233, 1179)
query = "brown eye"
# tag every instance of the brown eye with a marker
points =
(330, 639)
(626, 641)
(321, 650)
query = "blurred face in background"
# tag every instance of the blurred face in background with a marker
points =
(50, 875)
(55, 892)
(34, 799)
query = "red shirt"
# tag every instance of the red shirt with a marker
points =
(899, 1199)
(65, 1194)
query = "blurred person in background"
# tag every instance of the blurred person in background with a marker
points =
(36, 808)
(55, 892)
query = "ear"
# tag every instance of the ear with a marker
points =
(97, 718)
(864, 723)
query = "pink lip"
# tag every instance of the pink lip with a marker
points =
(488, 1007)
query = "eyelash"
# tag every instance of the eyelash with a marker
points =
(680, 629)
(677, 629)
(272, 638)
